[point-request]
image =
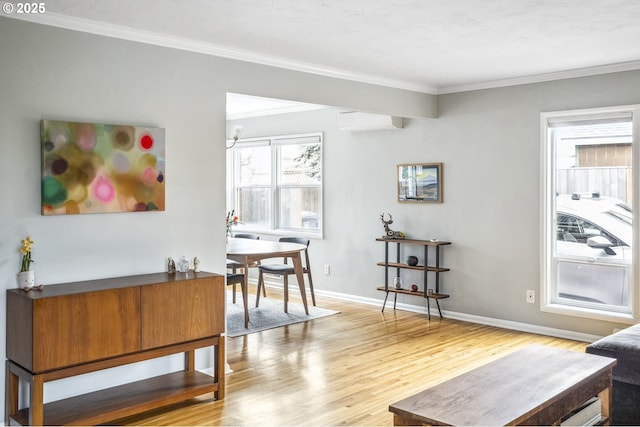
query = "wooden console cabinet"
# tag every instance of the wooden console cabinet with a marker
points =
(75, 328)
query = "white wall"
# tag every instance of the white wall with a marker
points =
(50, 73)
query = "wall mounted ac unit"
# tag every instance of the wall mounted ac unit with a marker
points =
(354, 121)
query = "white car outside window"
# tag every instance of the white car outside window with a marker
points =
(597, 230)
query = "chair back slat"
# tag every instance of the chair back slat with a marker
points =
(247, 236)
(300, 241)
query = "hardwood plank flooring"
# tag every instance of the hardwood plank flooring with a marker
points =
(344, 369)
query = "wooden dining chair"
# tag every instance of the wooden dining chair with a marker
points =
(234, 279)
(285, 270)
(238, 265)
(233, 266)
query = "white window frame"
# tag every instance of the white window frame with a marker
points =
(548, 214)
(275, 142)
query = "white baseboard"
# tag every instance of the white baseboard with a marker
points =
(489, 321)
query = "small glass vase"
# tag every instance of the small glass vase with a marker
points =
(26, 280)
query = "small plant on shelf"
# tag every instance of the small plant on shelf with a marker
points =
(25, 250)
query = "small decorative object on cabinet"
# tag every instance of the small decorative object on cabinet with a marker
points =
(183, 265)
(412, 260)
(26, 280)
(435, 269)
(171, 266)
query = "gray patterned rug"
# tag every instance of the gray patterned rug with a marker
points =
(269, 315)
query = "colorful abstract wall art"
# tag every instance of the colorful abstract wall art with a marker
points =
(99, 168)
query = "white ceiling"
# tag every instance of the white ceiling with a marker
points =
(433, 46)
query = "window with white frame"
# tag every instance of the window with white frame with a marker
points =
(588, 261)
(276, 183)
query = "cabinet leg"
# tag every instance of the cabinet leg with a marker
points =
(12, 382)
(395, 299)
(190, 360)
(219, 368)
(36, 407)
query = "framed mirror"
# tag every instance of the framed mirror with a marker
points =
(420, 183)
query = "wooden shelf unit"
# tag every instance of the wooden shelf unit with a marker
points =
(75, 328)
(426, 269)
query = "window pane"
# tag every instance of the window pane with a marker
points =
(277, 183)
(588, 283)
(300, 164)
(254, 207)
(255, 165)
(300, 208)
(593, 219)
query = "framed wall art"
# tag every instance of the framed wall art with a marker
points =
(420, 183)
(100, 168)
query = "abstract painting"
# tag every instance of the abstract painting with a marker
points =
(100, 168)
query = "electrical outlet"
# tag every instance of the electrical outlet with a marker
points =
(327, 269)
(531, 296)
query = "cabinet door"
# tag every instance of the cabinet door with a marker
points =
(73, 329)
(182, 311)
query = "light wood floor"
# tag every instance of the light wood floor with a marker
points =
(344, 369)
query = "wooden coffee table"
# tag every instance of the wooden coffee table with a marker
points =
(537, 385)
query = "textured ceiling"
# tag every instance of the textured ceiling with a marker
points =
(432, 46)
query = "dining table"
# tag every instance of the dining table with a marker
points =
(250, 251)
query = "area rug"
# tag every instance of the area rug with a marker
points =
(269, 315)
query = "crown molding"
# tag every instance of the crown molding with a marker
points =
(538, 78)
(148, 37)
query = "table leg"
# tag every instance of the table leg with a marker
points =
(297, 267)
(245, 301)
(605, 401)
(245, 292)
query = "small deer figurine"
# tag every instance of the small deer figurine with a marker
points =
(388, 232)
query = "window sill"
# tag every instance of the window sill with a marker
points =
(588, 313)
(280, 233)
